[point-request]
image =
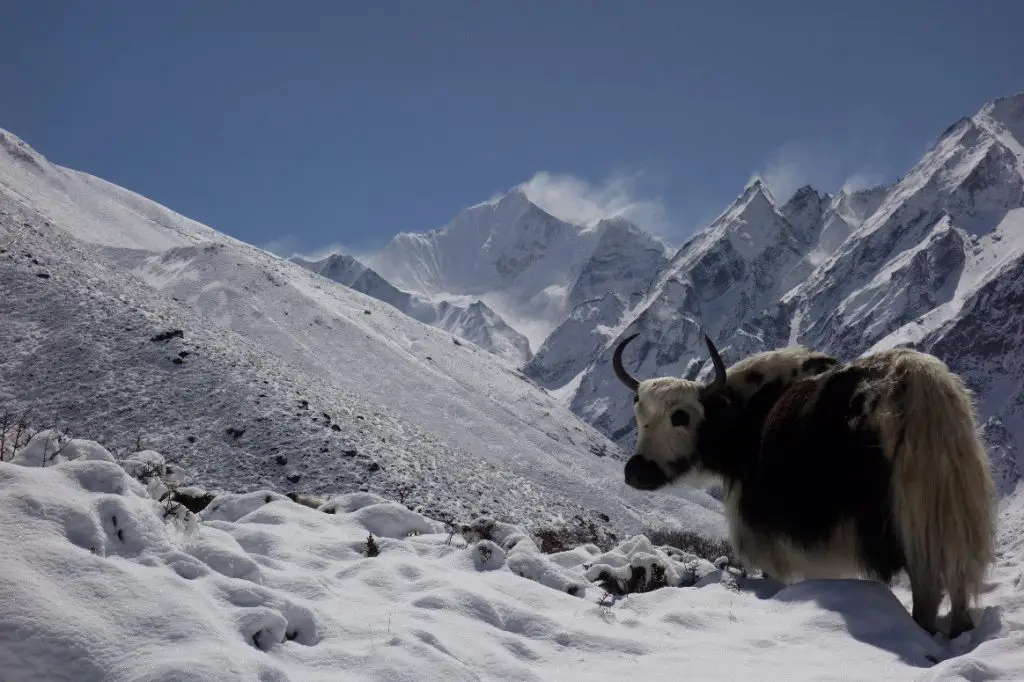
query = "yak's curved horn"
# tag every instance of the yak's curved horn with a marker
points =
(719, 382)
(620, 371)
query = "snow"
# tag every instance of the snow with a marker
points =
(105, 213)
(99, 581)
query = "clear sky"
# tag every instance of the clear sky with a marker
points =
(296, 125)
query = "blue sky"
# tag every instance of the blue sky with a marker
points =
(304, 124)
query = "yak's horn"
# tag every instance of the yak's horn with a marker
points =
(719, 382)
(620, 371)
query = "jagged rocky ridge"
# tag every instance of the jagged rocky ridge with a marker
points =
(933, 260)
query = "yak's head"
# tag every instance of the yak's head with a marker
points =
(670, 414)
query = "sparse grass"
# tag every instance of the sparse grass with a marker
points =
(57, 444)
(16, 432)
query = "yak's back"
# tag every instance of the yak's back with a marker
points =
(774, 370)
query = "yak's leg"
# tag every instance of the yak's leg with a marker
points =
(959, 617)
(927, 595)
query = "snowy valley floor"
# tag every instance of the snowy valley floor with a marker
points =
(100, 581)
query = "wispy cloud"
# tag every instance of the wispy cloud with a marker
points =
(796, 165)
(284, 247)
(580, 201)
(861, 180)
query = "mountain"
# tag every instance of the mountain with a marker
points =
(529, 267)
(740, 264)
(134, 326)
(933, 260)
(474, 322)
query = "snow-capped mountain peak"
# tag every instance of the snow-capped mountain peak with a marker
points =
(1004, 119)
(526, 265)
(750, 224)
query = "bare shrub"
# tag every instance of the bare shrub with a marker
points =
(14, 432)
(554, 539)
(691, 542)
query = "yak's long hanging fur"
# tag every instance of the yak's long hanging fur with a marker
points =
(942, 491)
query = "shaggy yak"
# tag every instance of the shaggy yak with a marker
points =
(831, 469)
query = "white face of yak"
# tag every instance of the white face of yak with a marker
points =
(668, 415)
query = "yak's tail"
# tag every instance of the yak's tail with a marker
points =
(942, 490)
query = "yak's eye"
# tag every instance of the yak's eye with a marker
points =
(636, 399)
(680, 418)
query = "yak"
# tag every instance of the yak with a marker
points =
(831, 469)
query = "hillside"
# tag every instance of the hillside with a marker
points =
(123, 319)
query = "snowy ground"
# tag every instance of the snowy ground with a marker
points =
(100, 581)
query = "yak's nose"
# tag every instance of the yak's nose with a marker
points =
(643, 474)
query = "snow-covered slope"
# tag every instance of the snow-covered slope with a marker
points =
(115, 585)
(256, 372)
(474, 322)
(525, 264)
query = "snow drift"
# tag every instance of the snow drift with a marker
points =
(103, 580)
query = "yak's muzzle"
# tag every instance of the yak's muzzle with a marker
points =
(643, 474)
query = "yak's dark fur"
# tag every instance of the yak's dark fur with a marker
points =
(807, 460)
